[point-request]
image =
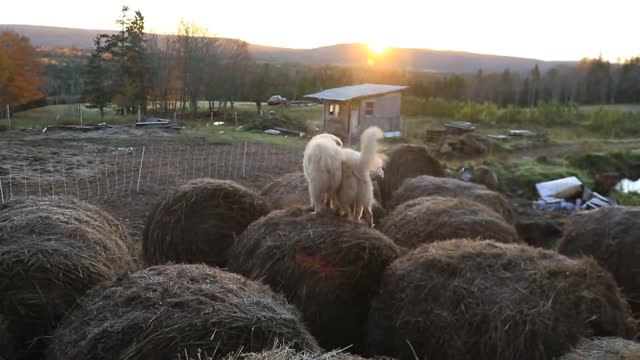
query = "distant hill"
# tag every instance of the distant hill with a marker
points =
(341, 54)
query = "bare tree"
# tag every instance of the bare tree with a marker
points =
(193, 50)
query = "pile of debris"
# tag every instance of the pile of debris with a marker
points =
(568, 195)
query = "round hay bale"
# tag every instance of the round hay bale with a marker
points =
(165, 310)
(287, 353)
(289, 190)
(199, 222)
(464, 299)
(404, 162)
(437, 186)
(52, 250)
(435, 218)
(606, 348)
(326, 266)
(485, 176)
(6, 341)
(612, 236)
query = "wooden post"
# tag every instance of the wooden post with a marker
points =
(9, 116)
(244, 159)
(139, 118)
(80, 107)
(175, 115)
(235, 114)
(140, 170)
(211, 117)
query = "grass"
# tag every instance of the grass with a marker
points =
(635, 108)
(62, 115)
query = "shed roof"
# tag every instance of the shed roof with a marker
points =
(356, 91)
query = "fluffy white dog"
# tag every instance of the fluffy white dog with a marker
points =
(322, 165)
(355, 194)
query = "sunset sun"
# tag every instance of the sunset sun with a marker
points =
(378, 48)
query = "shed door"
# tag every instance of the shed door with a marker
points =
(354, 121)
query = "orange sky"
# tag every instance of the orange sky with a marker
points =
(543, 29)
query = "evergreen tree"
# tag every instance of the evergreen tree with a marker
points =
(98, 90)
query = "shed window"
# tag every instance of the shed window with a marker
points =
(334, 109)
(368, 109)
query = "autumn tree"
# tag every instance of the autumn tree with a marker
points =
(20, 70)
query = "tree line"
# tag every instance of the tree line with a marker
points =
(191, 71)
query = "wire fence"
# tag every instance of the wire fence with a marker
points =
(124, 172)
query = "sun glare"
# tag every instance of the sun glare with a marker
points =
(378, 48)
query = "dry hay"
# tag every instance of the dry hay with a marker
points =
(198, 223)
(165, 310)
(328, 267)
(435, 186)
(52, 250)
(540, 231)
(606, 348)
(435, 218)
(6, 341)
(289, 190)
(485, 176)
(612, 237)
(465, 299)
(278, 352)
(405, 162)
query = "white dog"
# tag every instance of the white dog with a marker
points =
(322, 165)
(355, 194)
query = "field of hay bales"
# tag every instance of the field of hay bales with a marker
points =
(168, 246)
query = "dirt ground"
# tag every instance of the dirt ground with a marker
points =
(108, 167)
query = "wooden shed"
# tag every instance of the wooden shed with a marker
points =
(349, 110)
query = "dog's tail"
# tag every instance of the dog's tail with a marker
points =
(369, 159)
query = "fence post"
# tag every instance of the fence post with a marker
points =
(9, 116)
(80, 107)
(140, 169)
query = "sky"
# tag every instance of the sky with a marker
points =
(543, 29)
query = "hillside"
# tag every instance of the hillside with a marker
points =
(341, 54)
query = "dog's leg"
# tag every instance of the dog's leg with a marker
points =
(318, 198)
(369, 215)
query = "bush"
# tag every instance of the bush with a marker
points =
(615, 123)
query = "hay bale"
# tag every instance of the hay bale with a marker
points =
(282, 352)
(52, 250)
(326, 266)
(165, 310)
(435, 186)
(199, 222)
(404, 162)
(612, 236)
(540, 231)
(464, 299)
(435, 218)
(485, 176)
(606, 348)
(6, 341)
(289, 190)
